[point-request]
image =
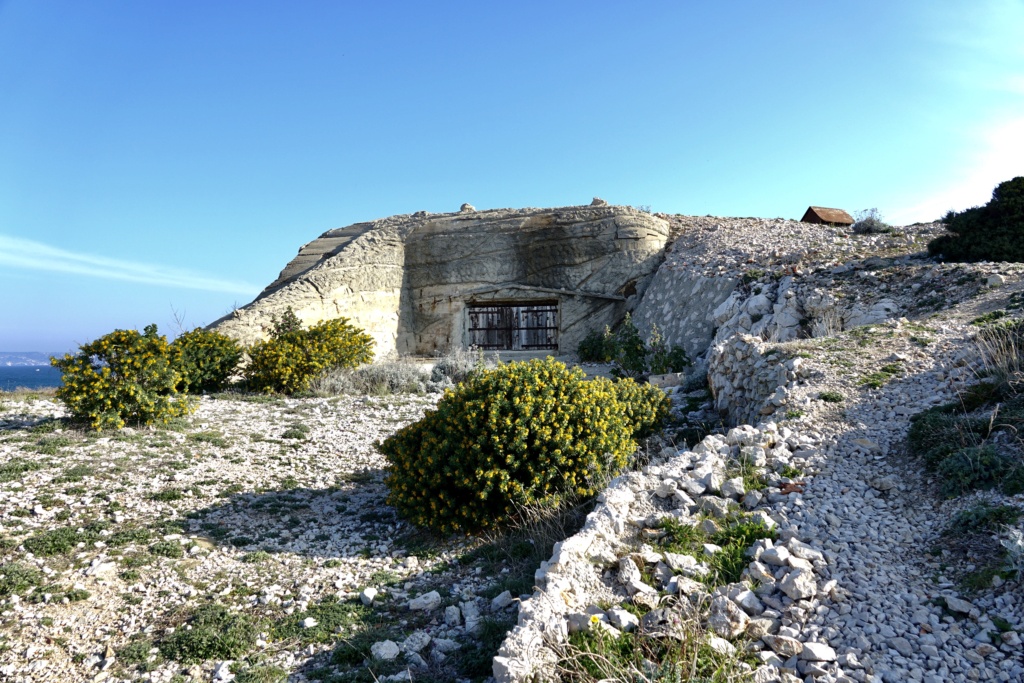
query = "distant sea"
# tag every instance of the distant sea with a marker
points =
(28, 376)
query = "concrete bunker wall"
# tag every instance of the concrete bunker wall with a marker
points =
(408, 280)
(591, 262)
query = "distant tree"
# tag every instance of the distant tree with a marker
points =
(994, 232)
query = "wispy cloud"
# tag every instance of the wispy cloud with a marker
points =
(26, 254)
(1000, 157)
(982, 61)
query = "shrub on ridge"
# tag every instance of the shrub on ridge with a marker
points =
(205, 359)
(293, 357)
(122, 378)
(522, 435)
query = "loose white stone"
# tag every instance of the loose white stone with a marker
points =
(367, 595)
(427, 601)
(385, 650)
(817, 652)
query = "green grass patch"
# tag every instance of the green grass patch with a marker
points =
(256, 557)
(211, 632)
(262, 673)
(171, 549)
(881, 377)
(59, 541)
(213, 438)
(726, 565)
(296, 431)
(984, 517)
(75, 473)
(15, 468)
(167, 495)
(831, 397)
(51, 445)
(988, 318)
(16, 578)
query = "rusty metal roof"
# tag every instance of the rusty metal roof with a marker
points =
(826, 215)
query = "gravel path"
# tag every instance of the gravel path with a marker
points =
(881, 519)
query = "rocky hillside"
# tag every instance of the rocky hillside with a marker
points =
(253, 542)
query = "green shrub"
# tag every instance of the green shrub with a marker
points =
(293, 357)
(935, 435)
(206, 360)
(994, 232)
(630, 351)
(984, 517)
(211, 632)
(17, 578)
(973, 468)
(869, 222)
(633, 358)
(597, 347)
(661, 358)
(831, 397)
(123, 377)
(523, 434)
(645, 406)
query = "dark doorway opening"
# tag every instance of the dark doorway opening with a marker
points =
(514, 327)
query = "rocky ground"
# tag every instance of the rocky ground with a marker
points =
(272, 508)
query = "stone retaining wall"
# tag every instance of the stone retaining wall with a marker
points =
(749, 377)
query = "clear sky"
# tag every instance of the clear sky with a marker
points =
(165, 159)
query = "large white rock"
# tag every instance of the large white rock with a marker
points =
(385, 650)
(426, 602)
(817, 652)
(799, 584)
(726, 619)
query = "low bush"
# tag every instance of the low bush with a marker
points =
(205, 359)
(458, 364)
(869, 222)
(1002, 353)
(957, 447)
(976, 467)
(984, 517)
(122, 378)
(293, 357)
(17, 578)
(211, 632)
(935, 434)
(521, 435)
(993, 232)
(645, 406)
(597, 347)
(632, 357)
(661, 358)
(376, 379)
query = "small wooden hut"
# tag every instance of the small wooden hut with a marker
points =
(826, 216)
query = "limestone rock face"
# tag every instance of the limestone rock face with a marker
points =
(408, 280)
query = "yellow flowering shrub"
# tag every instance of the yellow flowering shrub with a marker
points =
(122, 378)
(292, 357)
(645, 405)
(205, 359)
(521, 434)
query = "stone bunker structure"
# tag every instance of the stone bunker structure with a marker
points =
(510, 280)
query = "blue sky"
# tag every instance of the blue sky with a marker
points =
(163, 160)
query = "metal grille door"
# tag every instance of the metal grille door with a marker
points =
(510, 327)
